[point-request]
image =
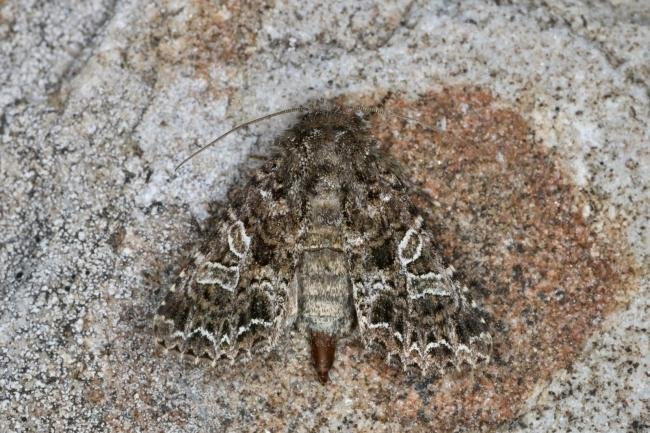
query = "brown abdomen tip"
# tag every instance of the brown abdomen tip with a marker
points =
(322, 353)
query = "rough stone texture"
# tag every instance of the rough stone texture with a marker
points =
(537, 171)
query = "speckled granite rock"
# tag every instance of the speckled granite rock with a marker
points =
(538, 172)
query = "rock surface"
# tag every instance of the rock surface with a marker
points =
(538, 170)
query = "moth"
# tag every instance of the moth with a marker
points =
(324, 239)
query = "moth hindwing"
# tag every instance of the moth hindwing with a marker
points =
(324, 237)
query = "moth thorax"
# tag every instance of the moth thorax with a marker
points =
(325, 216)
(325, 203)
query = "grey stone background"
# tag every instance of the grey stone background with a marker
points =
(99, 100)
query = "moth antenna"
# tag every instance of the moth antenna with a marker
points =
(240, 126)
(383, 112)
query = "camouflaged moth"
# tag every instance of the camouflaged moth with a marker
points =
(324, 237)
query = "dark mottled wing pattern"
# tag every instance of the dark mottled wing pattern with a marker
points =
(232, 298)
(408, 305)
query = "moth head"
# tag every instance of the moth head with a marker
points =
(316, 108)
